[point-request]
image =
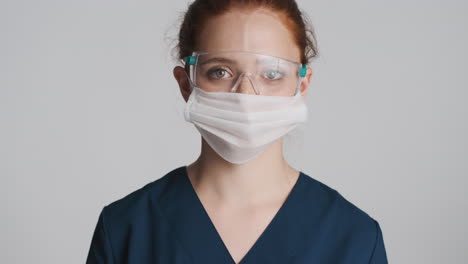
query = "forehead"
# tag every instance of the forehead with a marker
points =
(253, 30)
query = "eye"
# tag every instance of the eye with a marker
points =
(272, 75)
(218, 73)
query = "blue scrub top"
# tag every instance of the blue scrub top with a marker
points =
(164, 222)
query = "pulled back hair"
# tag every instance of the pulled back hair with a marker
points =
(201, 10)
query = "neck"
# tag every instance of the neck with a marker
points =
(256, 181)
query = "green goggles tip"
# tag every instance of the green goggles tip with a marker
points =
(303, 71)
(190, 60)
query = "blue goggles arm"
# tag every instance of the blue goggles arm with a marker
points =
(303, 71)
(190, 60)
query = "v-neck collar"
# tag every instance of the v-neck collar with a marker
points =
(198, 235)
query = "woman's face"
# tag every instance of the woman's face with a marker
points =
(252, 30)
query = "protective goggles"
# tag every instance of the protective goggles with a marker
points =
(225, 71)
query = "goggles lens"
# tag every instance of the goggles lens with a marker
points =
(230, 71)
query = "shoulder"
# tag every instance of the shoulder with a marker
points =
(333, 201)
(139, 201)
(124, 224)
(340, 217)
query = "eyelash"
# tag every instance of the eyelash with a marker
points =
(214, 70)
(281, 74)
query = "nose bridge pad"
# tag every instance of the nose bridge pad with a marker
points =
(252, 82)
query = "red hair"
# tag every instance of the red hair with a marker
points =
(201, 10)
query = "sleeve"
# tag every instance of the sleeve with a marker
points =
(100, 251)
(379, 255)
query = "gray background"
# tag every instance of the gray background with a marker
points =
(89, 112)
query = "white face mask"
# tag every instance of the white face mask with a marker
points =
(240, 126)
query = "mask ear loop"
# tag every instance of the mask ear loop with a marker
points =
(192, 85)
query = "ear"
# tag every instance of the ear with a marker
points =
(306, 81)
(182, 79)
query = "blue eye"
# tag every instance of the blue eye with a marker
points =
(272, 75)
(218, 73)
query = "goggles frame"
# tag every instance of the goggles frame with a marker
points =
(192, 60)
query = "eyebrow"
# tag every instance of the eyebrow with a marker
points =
(217, 59)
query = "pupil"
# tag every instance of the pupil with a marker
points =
(219, 73)
(271, 75)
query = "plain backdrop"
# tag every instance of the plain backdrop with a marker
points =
(90, 112)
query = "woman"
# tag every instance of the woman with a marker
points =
(244, 78)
